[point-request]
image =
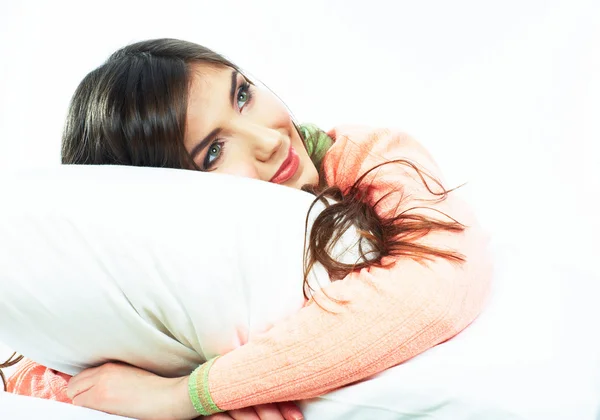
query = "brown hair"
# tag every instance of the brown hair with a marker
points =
(11, 361)
(132, 111)
(387, 234)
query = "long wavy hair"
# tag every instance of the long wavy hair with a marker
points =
(132, 111)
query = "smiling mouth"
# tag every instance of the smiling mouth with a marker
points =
(288, 168)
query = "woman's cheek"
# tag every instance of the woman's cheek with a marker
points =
(246, 171)
(274, 112)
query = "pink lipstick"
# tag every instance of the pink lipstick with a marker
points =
(288, 168)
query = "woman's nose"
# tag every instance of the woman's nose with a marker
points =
(265, 141)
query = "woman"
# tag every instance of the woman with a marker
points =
(171, 103)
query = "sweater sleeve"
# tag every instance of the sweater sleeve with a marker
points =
(378, 317)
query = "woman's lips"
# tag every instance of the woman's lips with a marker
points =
(288, 167)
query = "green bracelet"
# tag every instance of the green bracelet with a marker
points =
(200, 392)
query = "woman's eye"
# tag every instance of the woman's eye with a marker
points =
(243, 95)
(213, 154)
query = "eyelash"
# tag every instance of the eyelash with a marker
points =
(209, 166)
(244, 87)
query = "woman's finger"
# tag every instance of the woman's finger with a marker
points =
(81, 399)
(77, 386)
(85, 374)
(244, 414)
(268, 412)
(84, 380)
(218, 416)
(290, 411)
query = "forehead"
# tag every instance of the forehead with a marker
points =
(208, 99)
(207, 82)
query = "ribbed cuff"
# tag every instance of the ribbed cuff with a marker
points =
(199, 390)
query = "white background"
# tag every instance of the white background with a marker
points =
(506, 94)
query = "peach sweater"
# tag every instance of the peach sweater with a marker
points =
(391, 314)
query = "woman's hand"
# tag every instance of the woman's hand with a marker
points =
(124, 390)
(128, 391)
(281, 411)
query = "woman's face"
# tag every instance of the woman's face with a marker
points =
(239, 129)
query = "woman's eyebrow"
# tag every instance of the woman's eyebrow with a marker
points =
(206, 140)
(234, 74)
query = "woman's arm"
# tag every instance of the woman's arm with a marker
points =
(391, 315)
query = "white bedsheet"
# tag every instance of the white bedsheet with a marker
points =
(17, 407)
(534, 354)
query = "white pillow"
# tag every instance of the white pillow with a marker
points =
(154, 267)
